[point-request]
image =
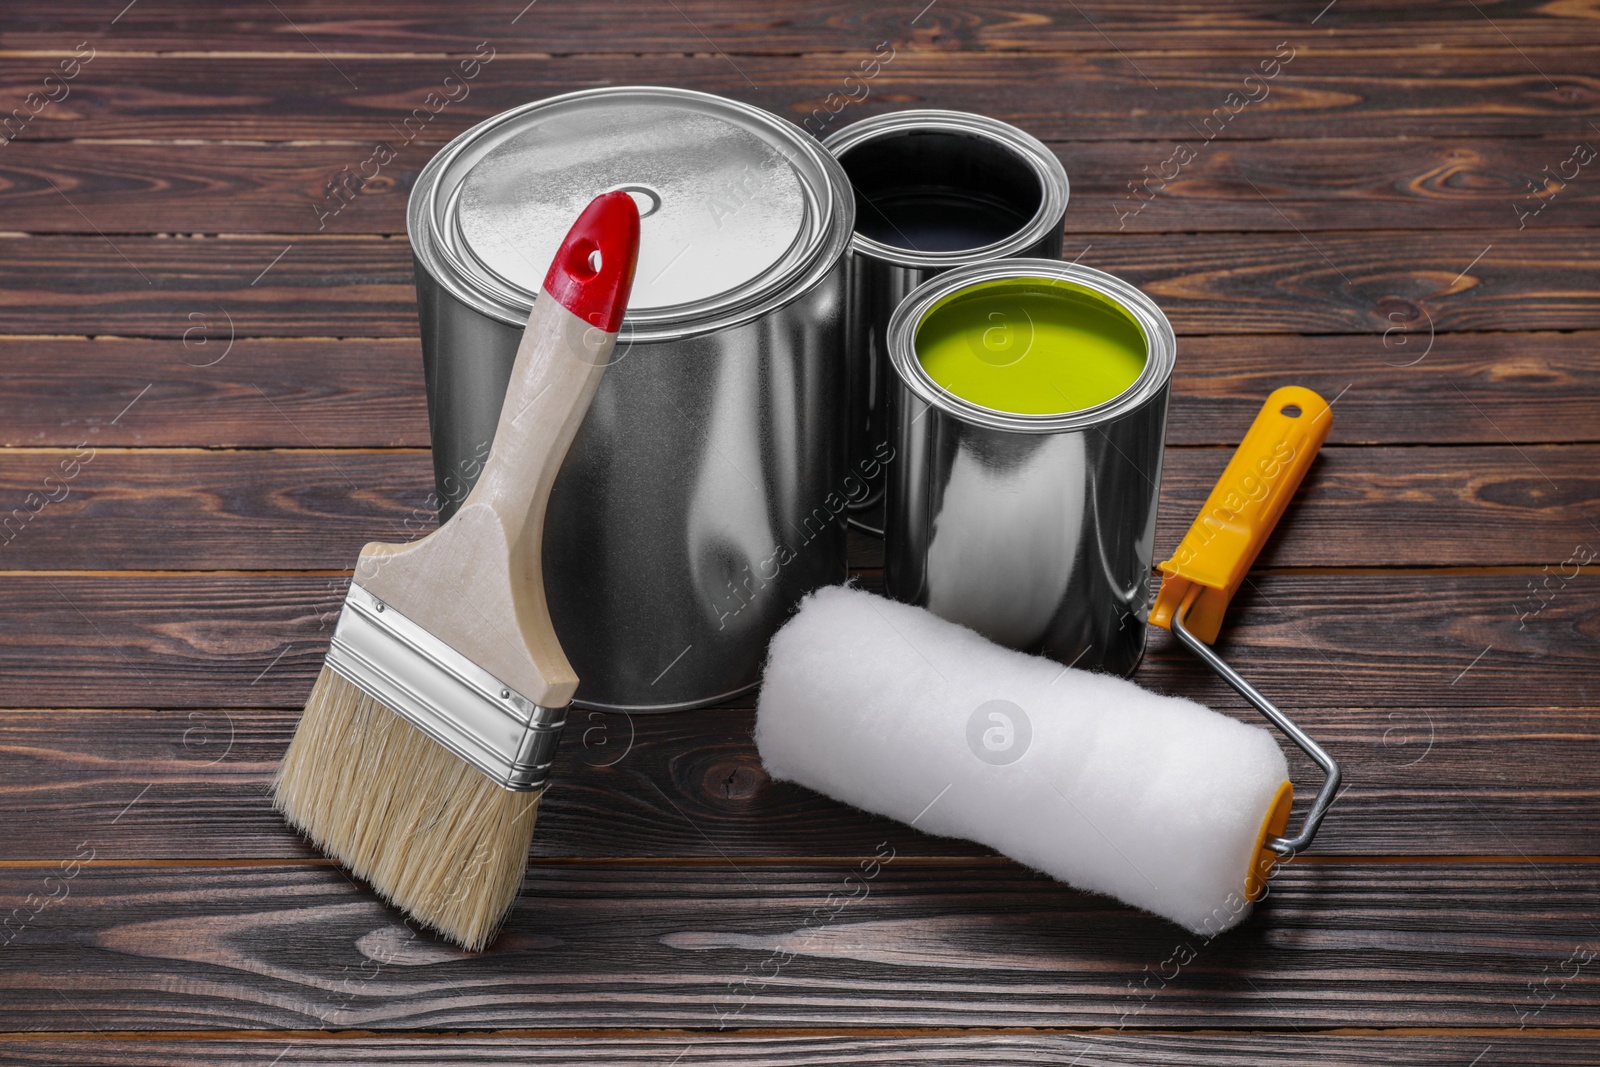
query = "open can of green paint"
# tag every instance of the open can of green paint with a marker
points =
(1027, 413)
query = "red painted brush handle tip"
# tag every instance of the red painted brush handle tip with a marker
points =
(595, 287)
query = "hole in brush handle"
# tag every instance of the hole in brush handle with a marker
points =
(592, 272)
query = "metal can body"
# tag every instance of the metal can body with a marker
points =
(1037, 532)
(911, 171)
(700, 498)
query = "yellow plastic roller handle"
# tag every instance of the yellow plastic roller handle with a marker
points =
(1241, 511)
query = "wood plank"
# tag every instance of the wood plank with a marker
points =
(1325, 184)
(618, 945)
(1322, 93)
(1429, 506)
(215, 390)
(307, 509)
(788, 26)
(207, 288)
(1402, 387)
(193, 784)
(1362, 283)
(1365, 283)
(313, 508)
(1489, 388)
(184, 188)
(1315, 185)
(1384, 640)
(951, 1050)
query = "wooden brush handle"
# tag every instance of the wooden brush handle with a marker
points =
(477, 582)
(565, 349)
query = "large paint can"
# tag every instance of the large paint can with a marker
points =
(703, 495)
(934, 190)
(1028, 413)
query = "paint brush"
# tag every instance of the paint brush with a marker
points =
(427, 740)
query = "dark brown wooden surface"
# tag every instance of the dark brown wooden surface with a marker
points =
(792, 26)
(1324, 92)
(240, 388)
(665, 786)
(1105, 1049)
(1473, 388)
(132, 947)
(1386, 639)
(1372, 284)
(1358, 183)
(313, 508)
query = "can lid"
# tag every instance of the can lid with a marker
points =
(725, 192)
(1161, 346)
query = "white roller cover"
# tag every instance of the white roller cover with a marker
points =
(1154, 800)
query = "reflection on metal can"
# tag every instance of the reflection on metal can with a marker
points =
(693, 509)
(1035, 527)
(934, 190)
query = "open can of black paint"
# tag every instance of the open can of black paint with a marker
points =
(934, 190)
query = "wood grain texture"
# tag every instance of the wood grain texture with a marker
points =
(257, 947)
(1356, 230)
(308, 509)
(1381, 640)
(1412, 507)
(790, 26)
(1362, 283)
(1336, 283)
(206, 289)
(314, 508)
(1104, 1049)
(360, 100)
(1312, 185)
(1408, 386)
(1326, 184)
(187, 188)
(1422, 781)
(215, 390)
(1403, 388)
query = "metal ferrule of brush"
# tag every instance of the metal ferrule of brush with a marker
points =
(466, 709)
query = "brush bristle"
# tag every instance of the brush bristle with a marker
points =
(431, 834)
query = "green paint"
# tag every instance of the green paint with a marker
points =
(1031, 346)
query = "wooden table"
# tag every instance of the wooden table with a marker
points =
(213, 396)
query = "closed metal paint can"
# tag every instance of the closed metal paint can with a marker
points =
(1028, 414)
(934, 190)
(700, 499)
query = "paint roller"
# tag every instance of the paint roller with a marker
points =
(1155, 800)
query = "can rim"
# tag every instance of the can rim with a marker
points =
(1055, 189)
(822, 181)
(1160, 343)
